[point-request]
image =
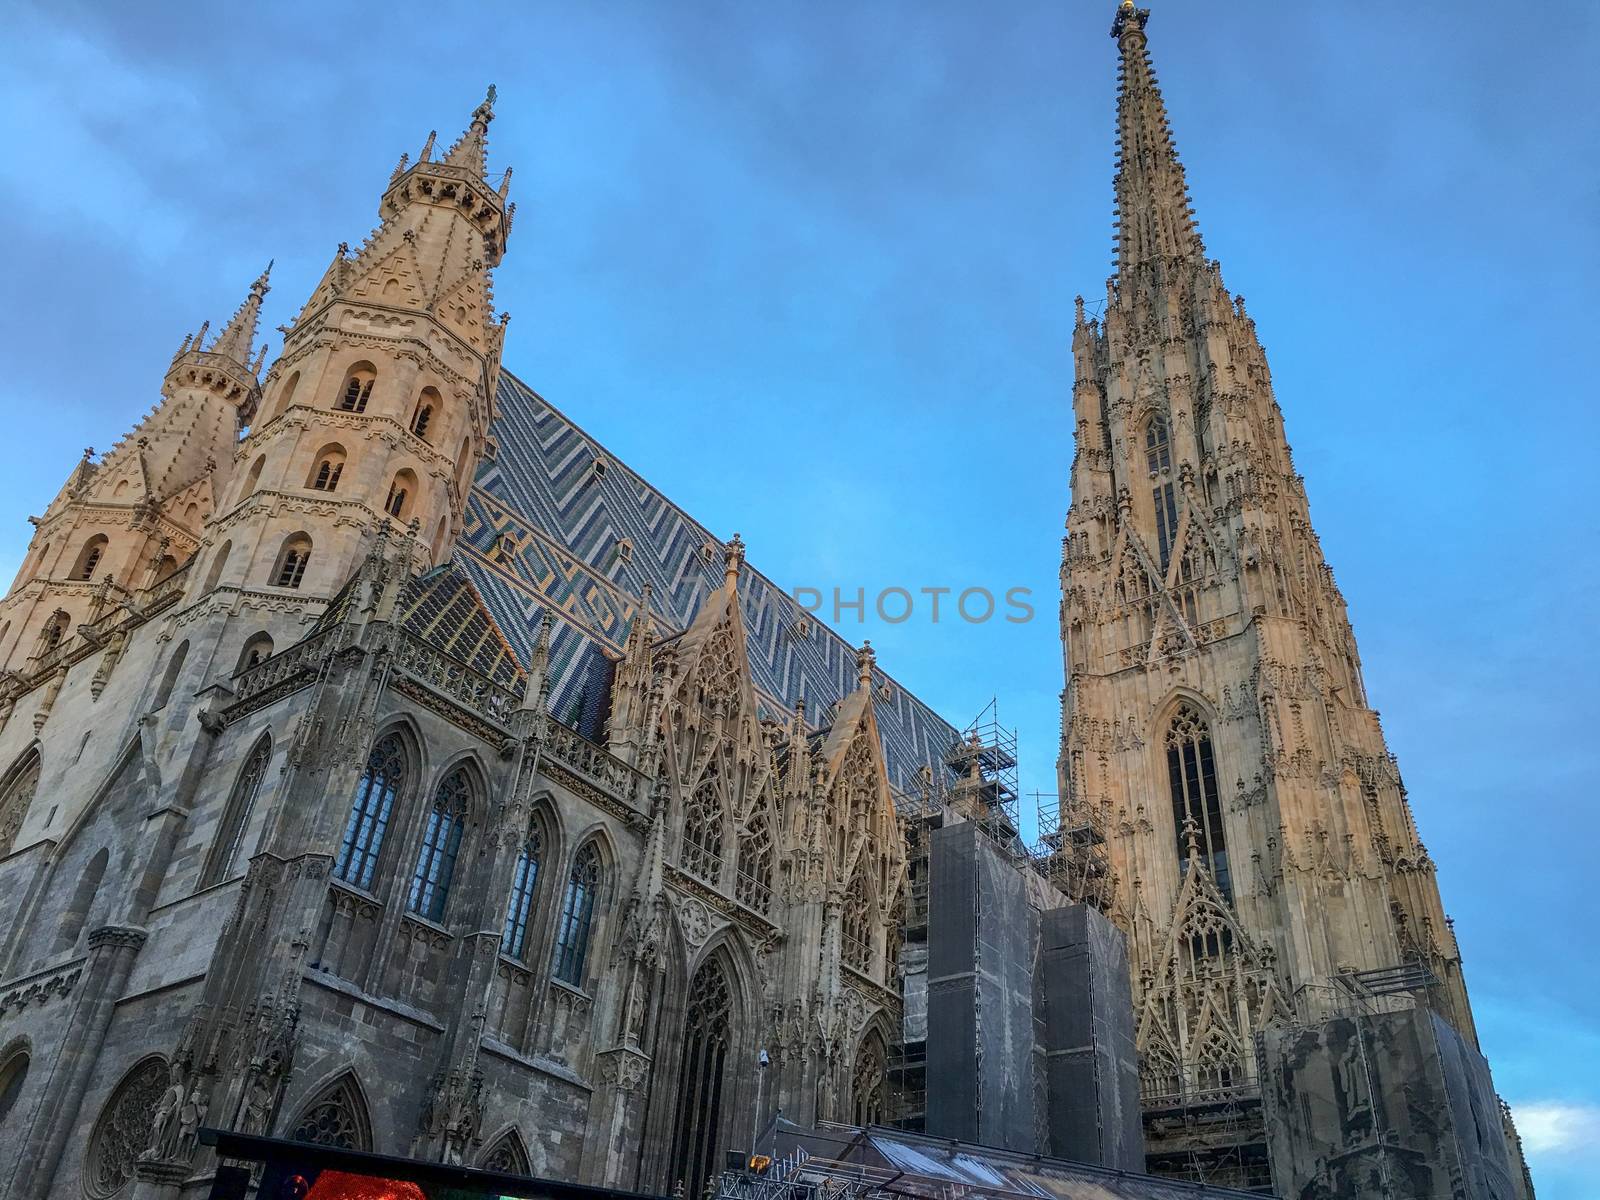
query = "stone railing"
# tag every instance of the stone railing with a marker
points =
(570, 748)
(299, 661)
(453, 679)
(164, 591)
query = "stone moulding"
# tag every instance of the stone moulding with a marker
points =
(53, 983)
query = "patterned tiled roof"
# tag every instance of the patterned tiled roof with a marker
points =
(443, 608)
(546, 528)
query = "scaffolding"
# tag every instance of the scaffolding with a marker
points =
(1071, 850)
(982, 781)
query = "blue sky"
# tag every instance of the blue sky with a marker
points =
(809, 267)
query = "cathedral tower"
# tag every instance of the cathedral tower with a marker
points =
(123, 524)
(377, 411)
(1214, 713)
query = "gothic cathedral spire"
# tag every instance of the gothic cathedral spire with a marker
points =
(1154, 217)
(1214, 715)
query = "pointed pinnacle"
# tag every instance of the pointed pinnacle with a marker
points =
(237, 338)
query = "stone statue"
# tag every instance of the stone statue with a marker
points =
(190, 1117)
(162, 1135)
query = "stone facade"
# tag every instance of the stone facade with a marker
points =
(1214, 720)
(294, 843)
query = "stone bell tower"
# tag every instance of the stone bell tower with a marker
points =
(377, 411)
(122, 524)
(1214, 712)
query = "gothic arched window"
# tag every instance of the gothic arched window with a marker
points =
(369, 815)
(55, 629)
(441, 842)
(701, 851)
(256, 651)
(357, 388)
(292, 560)
(508, 1156)
(218, 562)
(1157, 446)
(337, 1117)
(89, 557)
(13, 1074)
(1196, 803)
(427, 404)
(123, 1131)
(524, 887)
(1218, 1068)
(754, 884)
(855, 926)
(577, 916)
(236, 816)
(16, 799)
(330, 462)
(1160, 1077)
(869, 1091)
(701, 1080)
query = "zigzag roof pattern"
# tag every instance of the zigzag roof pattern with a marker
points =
(544, 529)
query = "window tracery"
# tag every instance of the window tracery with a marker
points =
(1218, 1067)
(507, 1156)
(380, 783)
(577, 916)
(337, 1118)
(701, 1081)
(17, 799)
(524, 887)
(1160, 1076)
(754, 884)
(123, 1130)
(236, 816)
(869, 1090)
(856, 925)
(1157, 446)
(441, 843)
(701, 850)
(1196, 802)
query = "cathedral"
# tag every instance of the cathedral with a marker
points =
(385, 765)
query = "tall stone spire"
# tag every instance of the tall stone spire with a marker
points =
(237, 339)
(1154, 217)
(1214, 715)
(471, 149)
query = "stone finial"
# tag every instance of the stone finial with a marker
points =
(866, 659)
(732, 560)
(1191, 837)
(427, 147)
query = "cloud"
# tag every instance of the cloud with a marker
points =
(1553, 1127)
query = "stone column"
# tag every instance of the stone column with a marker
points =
(154, 1179)
(112, 950)
(616, 1115)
